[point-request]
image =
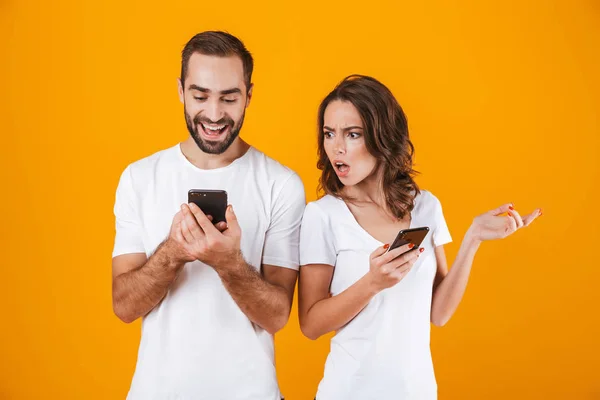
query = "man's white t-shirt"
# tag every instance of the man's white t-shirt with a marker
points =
(197, 343)
(383, 353)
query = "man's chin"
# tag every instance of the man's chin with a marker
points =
(213, 147)
(214, 136)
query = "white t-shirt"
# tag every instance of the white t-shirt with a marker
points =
(383, 353)
(197, 343)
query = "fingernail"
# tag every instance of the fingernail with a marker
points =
(183, 207)
(540, 213)
(386, 246)
(421, 250)
(411, 245)
(511, 208)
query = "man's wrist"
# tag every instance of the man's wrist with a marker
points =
(231, 266)
(168, 256)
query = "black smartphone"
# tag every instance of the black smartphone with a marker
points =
(211, 202)
(405, 236)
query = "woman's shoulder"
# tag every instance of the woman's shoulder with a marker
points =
(327, 208)
(325, 204)
(425, 201)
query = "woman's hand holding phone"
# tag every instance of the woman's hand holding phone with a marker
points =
(387, 268)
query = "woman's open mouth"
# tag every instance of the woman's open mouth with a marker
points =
(341, 169)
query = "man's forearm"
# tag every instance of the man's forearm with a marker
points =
(137, 292)
(265, 304)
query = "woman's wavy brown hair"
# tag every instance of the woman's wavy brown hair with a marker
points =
(386, 138)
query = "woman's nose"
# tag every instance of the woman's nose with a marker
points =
(340, 147)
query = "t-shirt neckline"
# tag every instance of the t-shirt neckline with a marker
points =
(184, 159)
(363, 230)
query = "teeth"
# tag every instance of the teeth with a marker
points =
(213, 127)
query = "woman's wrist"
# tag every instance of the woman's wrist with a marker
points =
(370, 284)
(472, 238)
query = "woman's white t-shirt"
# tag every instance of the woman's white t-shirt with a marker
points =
(383, 353)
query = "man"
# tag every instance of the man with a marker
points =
(211, 296)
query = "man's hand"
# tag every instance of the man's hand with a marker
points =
(194, 237)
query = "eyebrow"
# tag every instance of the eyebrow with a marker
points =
(349, 128)
(223, 92)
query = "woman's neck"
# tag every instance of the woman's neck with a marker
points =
(369, 190)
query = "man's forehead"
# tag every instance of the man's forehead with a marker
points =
(215, 73)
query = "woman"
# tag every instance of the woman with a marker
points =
(380, 303)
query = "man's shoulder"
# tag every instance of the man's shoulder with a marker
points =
(274, 172)
(149, 163)
(280, 180)
(263, 161)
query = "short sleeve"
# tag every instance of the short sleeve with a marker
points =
(316, 237)
(128, 238)
(441, 234)
(283, 235)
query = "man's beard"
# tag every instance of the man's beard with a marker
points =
(208, 146)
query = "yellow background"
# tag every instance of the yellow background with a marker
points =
(502, 99)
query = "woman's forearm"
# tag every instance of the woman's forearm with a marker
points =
(332, 313)
(449, 292)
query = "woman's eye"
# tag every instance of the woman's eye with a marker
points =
(328, 134)
(354, 135)
(200, 98)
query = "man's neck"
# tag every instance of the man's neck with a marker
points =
(203, 160)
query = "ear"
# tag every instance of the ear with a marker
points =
(180, 89)
(249, 95)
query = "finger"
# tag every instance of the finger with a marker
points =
(502, 209)
(512, 225)
(177, 218)
(404, 269)
(379, 251)
(221, 226)
(210, 218)
(405, 259)
(398, 275)
(390, 255)
(177, 234)
(232, 221)
(515, 214)
(203, 221)
(528, 219)
(185, 232)
(191, 222)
